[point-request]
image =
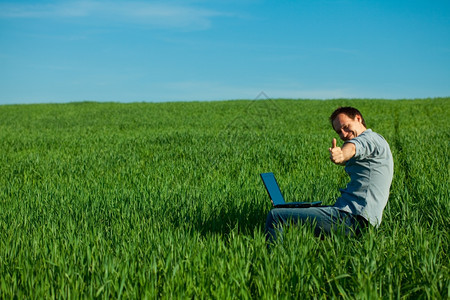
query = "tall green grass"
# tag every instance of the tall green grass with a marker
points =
(107, 200)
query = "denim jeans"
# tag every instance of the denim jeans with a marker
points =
(324, 219)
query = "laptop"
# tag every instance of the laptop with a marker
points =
(275, 194)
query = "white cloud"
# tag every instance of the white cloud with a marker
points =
(163, 14)
(46, 10)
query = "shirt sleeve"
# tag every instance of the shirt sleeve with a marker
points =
(365, 147)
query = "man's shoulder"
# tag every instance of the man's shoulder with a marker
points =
(370, 143)
(369, 134)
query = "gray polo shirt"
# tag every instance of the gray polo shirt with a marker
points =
(371, 171)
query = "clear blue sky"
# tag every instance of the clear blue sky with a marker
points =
(128, 51)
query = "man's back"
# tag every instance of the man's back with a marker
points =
(371, 171)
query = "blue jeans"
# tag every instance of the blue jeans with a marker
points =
(324, 219)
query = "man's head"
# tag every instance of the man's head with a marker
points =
(348, 122)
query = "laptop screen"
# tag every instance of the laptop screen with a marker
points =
(272, 188)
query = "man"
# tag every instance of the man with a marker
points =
(368, 161)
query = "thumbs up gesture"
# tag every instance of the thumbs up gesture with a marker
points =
(333, 144)
(336, 154)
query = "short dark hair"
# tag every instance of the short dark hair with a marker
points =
(349, 111)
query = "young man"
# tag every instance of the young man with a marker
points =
(368, 161)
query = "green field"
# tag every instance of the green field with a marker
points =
(164, 200)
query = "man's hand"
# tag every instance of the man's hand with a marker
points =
(340, 155)
(336, 154)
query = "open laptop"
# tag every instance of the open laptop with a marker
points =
(275, 194)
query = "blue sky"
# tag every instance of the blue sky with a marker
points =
(132, 51)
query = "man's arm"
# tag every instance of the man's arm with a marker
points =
(340, 155)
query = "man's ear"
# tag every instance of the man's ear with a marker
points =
(358, 118)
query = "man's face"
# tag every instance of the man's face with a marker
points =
(348, 128)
